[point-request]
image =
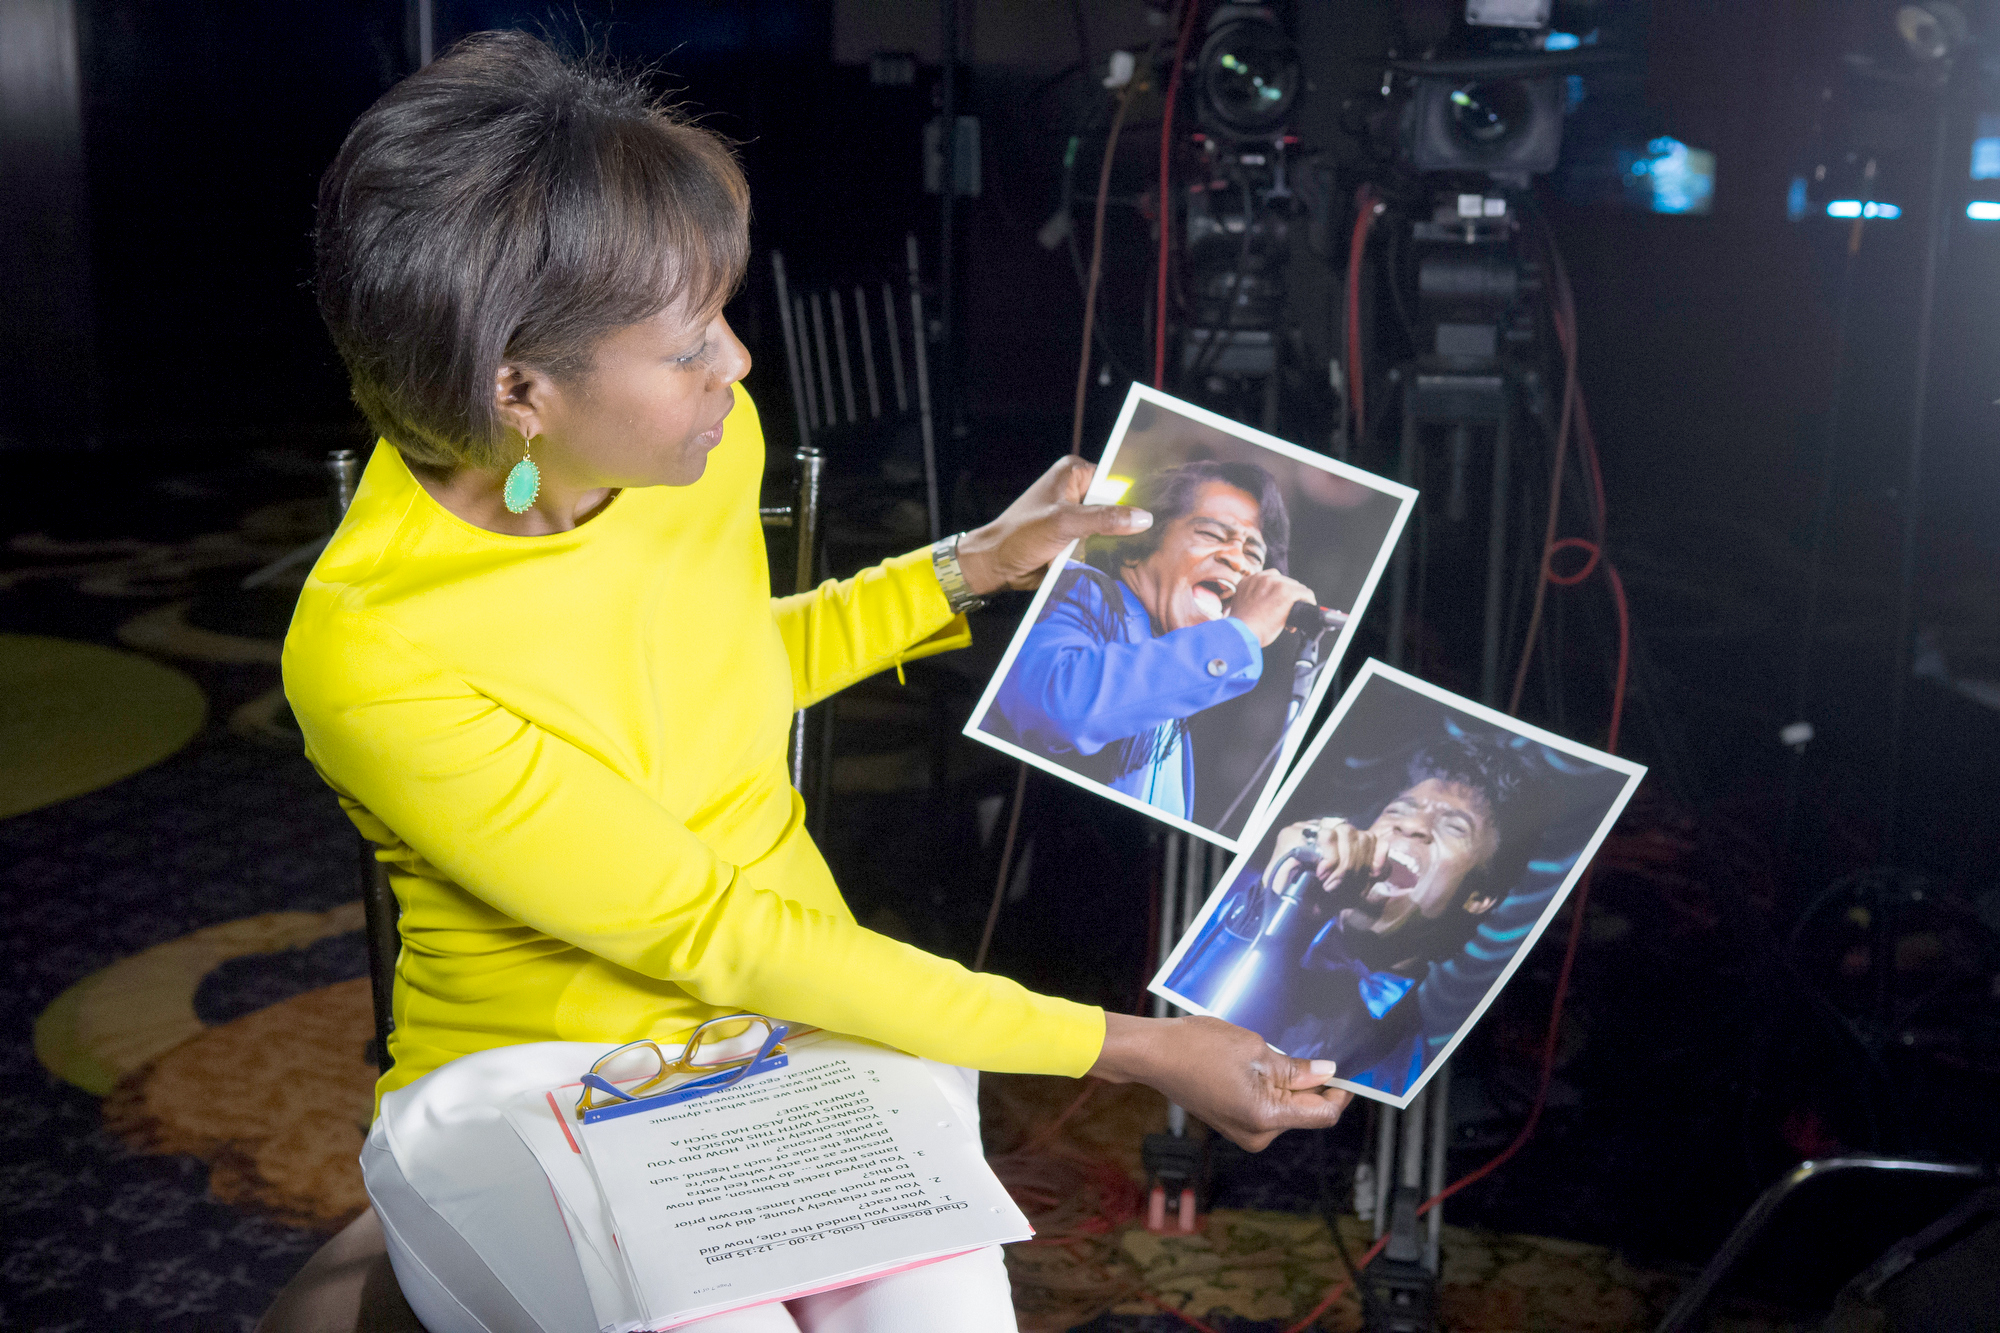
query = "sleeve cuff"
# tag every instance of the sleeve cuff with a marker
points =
(914, 572)
(1249, 637)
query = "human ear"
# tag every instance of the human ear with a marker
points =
(524, 397)
(1479, 904)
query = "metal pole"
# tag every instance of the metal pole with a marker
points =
(791, 346)
(947, 211)
(1385, 1164)
(867, 354)
(1399, 567)
(895, 348)
(423, 22)
(825, 367)
(840, 346)
(344, 467)
(805, 363)
(1939, 222)
(1496, 556)
(918, 338)
(1194, 861)
(1170, 873)
(1411, 1174)
(1440, 1095)
(805, 514)
(805, 530)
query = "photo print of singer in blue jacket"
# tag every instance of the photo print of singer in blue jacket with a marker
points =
(1174, 670)
(1154, 629)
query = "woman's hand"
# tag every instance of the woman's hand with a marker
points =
(1014, 550)
(1225, 1075)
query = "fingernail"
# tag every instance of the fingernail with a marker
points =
(1324, 1068)
(1138, 519)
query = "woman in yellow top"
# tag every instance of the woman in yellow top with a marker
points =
(541, 666)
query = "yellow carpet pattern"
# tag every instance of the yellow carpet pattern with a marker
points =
(75, 717)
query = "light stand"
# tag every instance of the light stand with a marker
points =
(1937, 223)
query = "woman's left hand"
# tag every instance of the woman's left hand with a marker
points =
(1015, 549)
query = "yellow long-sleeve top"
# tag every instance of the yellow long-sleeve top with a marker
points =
(572, 752)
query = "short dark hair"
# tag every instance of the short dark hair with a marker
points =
(1170, 494)
(507, 203)
(1492, 767)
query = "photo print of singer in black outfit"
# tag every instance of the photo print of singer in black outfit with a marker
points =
(1175, 670)
(1411, 861)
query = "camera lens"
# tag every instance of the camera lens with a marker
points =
(1249, 75)
(1486, 116)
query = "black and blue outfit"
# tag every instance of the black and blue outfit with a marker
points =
(1100, 690)
(1368, 1016)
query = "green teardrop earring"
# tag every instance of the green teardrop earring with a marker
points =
(523, 484)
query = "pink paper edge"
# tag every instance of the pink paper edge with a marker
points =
(562, 1124)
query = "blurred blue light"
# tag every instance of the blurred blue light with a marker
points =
(1844, 208)
(1562, 41)
(1855, 208)
(1795, 200)
(1983, 210)
(1986, 158)
(1682, 179)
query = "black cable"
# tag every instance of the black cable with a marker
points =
(1392, 259)
(1219, 336)
(1067, 206)
(1082, 34)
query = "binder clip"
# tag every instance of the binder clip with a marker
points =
(1173, 1165)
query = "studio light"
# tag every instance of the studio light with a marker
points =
(1856, 208)
(1931, 31)
(1983, 210)
(1508, 13)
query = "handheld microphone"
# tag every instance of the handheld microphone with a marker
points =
(1309, 619)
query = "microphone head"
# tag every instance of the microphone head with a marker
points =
(1309, 619)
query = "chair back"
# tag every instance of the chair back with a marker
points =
(831, 331)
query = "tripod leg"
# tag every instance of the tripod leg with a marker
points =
(1385, 1162)
(1399, 568)
(1439, 1093)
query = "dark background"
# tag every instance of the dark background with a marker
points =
(156, 183)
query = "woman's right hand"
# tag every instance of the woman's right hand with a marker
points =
(1226, 1076)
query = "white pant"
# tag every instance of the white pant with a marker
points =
(479, 1246)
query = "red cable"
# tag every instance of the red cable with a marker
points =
(1340, 1287)
(1366, 208)
(1188, 9)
